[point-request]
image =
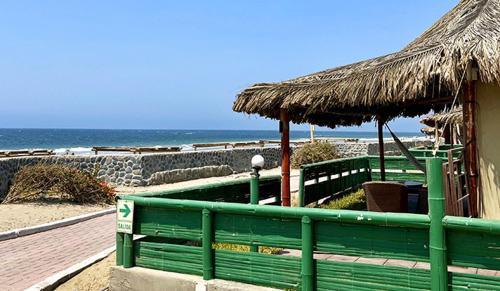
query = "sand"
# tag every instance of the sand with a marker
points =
(94, 278)
(31, 214)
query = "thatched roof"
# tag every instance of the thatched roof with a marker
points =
(429, 69)
(431, 131)
(453, 117)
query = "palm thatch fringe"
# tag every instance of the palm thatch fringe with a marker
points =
(428, 69)
(452, 117)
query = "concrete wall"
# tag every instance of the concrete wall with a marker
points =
(488, 140)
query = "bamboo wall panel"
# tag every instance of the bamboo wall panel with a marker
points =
(259, 269)
(257, 230)
(178, 223)
(373, 241)
(474, 249)
(332, 275)
(461, 281)
(168, 257)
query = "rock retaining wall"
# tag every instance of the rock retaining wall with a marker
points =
(153, 169)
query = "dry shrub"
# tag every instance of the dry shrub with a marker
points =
(313, 153)
(52, 181)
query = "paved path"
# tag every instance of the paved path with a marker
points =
(27, 260)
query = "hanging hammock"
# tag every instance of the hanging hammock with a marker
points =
(406, 152)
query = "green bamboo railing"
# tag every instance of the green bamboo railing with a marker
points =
(324, 179)
(434, 238)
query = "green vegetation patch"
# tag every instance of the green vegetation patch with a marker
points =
(313, 153)
(353, 201)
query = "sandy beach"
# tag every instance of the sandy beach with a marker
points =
(29, 214)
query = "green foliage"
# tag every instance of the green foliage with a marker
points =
(53, 181)
(313, 153)
(352, 201)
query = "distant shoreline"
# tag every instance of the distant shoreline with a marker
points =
(17, 139)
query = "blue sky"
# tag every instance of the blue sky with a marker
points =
(179, 64)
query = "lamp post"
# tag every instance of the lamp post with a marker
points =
(257, 164)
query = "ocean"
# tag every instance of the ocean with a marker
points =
(84, 138)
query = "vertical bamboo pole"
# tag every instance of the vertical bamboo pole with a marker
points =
(254, 197)
(285, 157)
(437, 243)
(469, 116)
(380, 123)
(254, 187)
(119, 249)
(128, 250)
(207, 239)
(301, 188)
(307, 269)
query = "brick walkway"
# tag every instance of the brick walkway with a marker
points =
(28, 260)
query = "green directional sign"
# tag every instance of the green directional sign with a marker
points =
(124, 216)
(125, 210)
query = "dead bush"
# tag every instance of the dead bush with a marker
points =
(52, 181)
(313, 153)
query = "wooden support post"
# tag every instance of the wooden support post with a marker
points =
(285, 157)
(380, 123)
(469, 116)
(447, 134)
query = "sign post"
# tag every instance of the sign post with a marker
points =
(125, 216)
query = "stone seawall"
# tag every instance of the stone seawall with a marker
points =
(149, 169)
(154, 169)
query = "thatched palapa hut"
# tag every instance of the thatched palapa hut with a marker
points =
(457, 56)
(447, 123)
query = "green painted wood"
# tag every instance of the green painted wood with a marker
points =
(351, 173)
(460, 281)
(119, 248)
(157, 254)
(391, 176)
(178, 223)
(394, 163)
(258, 269)
(437, 235)
(128, 250)
(372, 241)
(307, 265)
(208, 253)
(341, 216)
(260, 231)
(233, 191)
(332, 275)
(474, 249)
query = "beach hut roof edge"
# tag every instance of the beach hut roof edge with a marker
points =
(424, 75)
(451, 117)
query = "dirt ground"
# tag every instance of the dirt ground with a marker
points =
(30, 214)
(94, 278)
